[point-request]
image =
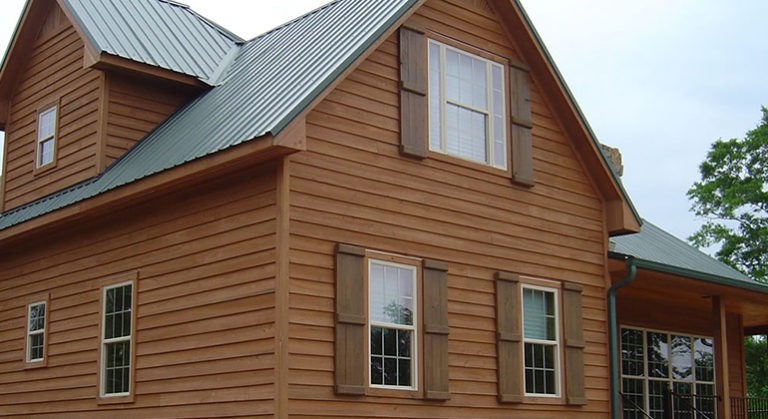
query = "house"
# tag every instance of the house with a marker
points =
(388, 208)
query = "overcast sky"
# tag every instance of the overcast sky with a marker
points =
(659, 79)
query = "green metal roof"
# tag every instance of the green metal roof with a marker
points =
(160, 33)
(658, 250)
(270, 80)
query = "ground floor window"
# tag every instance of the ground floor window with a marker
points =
(656, 362)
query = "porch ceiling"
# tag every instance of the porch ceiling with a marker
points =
(694, 294)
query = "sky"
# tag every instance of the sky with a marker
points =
(659, 79)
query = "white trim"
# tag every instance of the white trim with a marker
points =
(31, 333)
(555, 343)
(413, 328)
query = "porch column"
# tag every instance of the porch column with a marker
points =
(721, 357)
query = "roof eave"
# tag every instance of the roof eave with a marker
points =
(690, 273)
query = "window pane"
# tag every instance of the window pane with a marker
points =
(391, 293)
(681, 358)
(632, 352)
(36, 317)
(704, 359)
(539, 315)
(46, 152)
(117, 370)
(634, 398)
(658, 355)
(656, 398)
(540, 365)
(377, 341)
(390, 342)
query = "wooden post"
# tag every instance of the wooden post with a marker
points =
(721, 357)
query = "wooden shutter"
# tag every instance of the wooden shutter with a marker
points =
(350, 319)
(509, 337)
(435, 303)
(521, 143)
(574, 344)
(413, 93)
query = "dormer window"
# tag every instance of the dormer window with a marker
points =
(46, 137)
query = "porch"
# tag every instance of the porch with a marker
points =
(682, 318)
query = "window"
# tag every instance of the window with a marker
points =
(466, 106)
(392, 324)
(653, 362)
(46, 137)
(388, 343)
(36, 331)
(541, 341)
(117, 333)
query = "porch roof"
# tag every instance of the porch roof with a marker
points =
(658, 250)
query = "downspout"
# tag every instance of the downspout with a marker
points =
(613, 333)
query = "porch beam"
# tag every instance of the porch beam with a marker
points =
(721, 357)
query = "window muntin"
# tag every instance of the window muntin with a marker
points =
(653, 361)
(466, 106)
(117, 332)
(541, 339)
(46, 137)
(392, 324)
(36, 314)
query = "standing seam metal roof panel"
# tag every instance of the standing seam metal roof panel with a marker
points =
(155, 32)
(656, 245)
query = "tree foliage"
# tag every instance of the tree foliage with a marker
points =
(756, 357)
(732, 196)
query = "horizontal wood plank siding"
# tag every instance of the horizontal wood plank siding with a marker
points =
(54, 74)
(205, 306)
(352, 186)
(136, 107)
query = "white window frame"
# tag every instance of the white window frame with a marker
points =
(31, 333)
(646, 379)
(46, 137)
(557, 343)
(413, 328)
(490, 133)
(126, 338)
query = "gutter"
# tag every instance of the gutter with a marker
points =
(613, 334)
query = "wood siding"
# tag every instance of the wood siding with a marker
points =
(135, 107)
(54, 74)
(205, 306)
(353, 186)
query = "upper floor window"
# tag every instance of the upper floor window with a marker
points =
(36, 321)
(542, 342)
(46, 137)
(117, 332)
(466, 106)
(392, 323)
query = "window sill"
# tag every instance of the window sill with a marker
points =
(108, 400)
(30, 365)
(468, 164)
(39, 170)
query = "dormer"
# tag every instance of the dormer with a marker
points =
(84, 80)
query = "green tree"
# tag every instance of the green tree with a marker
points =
(732, 197)
(756, 356)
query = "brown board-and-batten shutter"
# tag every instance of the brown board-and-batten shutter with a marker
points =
(435, 300)
(509, 338)
(350, 319)
(574, 344)
(413, 93)
(521, 141)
